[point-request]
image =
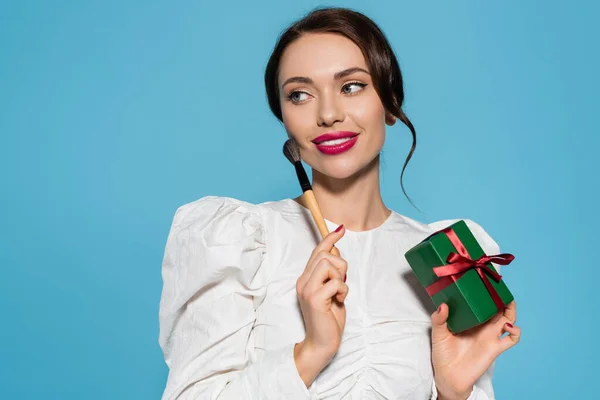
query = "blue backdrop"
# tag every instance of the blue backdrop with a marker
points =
(113, 114)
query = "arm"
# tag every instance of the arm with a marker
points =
(483, 388)
(212, 276)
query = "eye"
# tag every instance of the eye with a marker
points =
(297, 96)
(353, 87)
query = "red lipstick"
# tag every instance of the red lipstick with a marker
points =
(335, 142)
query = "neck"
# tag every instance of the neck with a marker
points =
(354, 201)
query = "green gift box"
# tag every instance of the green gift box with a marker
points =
(454, 269)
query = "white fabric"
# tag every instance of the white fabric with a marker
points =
(229, 316)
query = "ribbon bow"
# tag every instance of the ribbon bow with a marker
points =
(461, 263)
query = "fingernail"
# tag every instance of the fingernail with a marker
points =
(345, 276)
(439, 309)
(339, 228)
(509, 325)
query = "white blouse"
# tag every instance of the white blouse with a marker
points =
(229, 315)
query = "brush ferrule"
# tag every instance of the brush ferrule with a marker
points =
(302, 177)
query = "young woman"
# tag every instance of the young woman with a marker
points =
(255, 307)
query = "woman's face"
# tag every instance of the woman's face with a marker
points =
(326, 88)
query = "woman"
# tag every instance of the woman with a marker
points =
(255, 307)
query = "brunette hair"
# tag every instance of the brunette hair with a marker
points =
(380, 58)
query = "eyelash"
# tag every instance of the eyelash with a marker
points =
(361, 84)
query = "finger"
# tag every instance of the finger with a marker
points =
(513, 337)
(335, 251)
(328, 242)
(324, 271)
(332, 288)
(497, 320)
(510, 312)
(337, 262)
(439, 328)
(314, 260)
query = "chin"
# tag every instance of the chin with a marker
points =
(341, 170)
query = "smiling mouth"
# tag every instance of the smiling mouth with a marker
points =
(334, 142)
(329, 144)
(334, 138)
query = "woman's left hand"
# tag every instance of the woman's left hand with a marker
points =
(459, 360)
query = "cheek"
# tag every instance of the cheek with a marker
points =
(369, 114)
(295, 119)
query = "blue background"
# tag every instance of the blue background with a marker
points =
(113, 114)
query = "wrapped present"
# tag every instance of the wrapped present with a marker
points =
(454, 269)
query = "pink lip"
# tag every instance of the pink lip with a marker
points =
(333, 136)
(338, 148)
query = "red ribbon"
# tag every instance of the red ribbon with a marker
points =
(459, 264)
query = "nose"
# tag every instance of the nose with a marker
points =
(330, 110)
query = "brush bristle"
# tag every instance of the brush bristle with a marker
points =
(291, 150)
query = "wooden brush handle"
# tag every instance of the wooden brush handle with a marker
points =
(313, 206)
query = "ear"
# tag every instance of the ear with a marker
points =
(390, 119)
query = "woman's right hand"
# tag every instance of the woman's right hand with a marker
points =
(321, 291)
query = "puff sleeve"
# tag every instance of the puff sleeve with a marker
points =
(483, 389)
(213, 281)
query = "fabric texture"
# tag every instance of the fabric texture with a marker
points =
(229, 315)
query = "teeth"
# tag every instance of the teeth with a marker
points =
(334, 142)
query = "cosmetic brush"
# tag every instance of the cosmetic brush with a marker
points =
(292, 153)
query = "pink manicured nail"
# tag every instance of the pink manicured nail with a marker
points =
(339, 228)
(509, 325)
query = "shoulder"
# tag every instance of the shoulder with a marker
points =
(213, 206)
(223, 205)
(421, 230)
(227, 216)
(486, 241)
(217, 218)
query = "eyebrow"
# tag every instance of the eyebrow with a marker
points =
(336, 76)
